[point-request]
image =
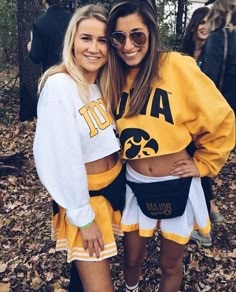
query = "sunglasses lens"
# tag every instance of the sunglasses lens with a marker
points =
(118, 39)
(138, 38)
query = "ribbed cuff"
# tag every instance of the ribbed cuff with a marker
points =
(82, 216)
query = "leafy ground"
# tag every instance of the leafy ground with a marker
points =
(28, 261)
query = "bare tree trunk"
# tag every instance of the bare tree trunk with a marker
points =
(27, 11)
(180, 21)
(185, 14)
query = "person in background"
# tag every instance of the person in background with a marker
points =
(76, 151)
(48, 33)
(159, 102)
(219, 53)
(194, 38)
(196, 34)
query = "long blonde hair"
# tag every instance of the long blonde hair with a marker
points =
(69, 64)
(222, 14)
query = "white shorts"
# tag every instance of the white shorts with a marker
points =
(176, 229)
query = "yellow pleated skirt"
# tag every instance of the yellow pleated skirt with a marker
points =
(68, 236)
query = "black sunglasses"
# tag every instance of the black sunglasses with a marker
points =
(137, 38)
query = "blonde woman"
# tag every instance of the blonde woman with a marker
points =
(75, 150)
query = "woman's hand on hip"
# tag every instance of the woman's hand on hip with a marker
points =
(92, 239)
(184, 168)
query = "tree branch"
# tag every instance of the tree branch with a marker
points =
(12, 79)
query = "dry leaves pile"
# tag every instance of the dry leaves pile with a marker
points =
(28, 261)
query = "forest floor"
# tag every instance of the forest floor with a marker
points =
(28, 261)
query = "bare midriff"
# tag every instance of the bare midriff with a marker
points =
(159, 165)
(102, 165)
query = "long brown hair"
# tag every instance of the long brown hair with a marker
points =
(188, 42)
(117, 69)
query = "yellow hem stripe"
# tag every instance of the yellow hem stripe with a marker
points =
(128, 228)
(204, 230)
(81, 254)
(175, 237)
(146, 233)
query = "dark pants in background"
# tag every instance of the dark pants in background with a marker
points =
(75, 281)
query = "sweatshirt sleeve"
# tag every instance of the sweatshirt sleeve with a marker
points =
(58, 153)
(211, 123)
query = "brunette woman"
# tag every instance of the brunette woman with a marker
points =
(160, 107)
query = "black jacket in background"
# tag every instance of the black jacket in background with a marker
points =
(212, 60)
(48, 35)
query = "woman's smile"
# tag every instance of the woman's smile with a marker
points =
(131, 53)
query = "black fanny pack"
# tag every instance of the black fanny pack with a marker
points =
(115, 192)
(162, 200)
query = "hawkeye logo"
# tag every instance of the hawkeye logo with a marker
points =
(138, 143)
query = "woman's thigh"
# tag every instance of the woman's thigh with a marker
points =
(95, 276)
(134, 247)
(171, 254)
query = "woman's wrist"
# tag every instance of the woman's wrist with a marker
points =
(87, 225)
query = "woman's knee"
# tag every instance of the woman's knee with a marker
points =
(170, 268)
(133, 259)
